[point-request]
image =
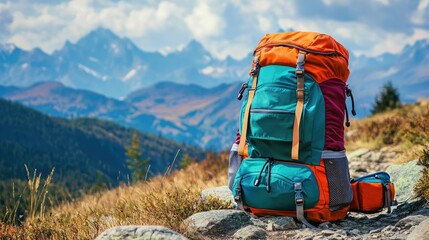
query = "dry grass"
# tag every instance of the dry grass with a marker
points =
(405, 129)
(422, 186)
(168, 200)
(163, 201)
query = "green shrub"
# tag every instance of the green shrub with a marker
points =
(422, 186)
(387, 99)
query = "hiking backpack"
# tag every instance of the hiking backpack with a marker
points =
(292, 129)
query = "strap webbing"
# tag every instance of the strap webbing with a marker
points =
(249, 102)
(299, 203)
(387, 200)
(299, 104)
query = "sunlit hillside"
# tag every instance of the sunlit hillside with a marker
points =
(405, 129)
(167, 200)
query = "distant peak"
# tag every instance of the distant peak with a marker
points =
(102, 31)
(194, 45)
(8, 47)
(99, 34)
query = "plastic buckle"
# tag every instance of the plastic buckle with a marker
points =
(300, 94)
(254, 71)
(299, 200)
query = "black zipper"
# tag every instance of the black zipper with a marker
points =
(262, 110)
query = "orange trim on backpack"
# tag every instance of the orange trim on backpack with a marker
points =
(368, 196)
(320, 67)
(320, 212)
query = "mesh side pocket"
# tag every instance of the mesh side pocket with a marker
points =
(234, 165)
(340, 191)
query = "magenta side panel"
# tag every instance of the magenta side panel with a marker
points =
(334, 94)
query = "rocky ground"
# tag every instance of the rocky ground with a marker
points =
(408, 220)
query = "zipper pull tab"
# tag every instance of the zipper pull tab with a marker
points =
(269, 175)
(240, 93)
(347, 116)
(258, 180)
(350, 94)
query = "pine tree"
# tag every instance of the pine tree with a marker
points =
(136, 164)
(387, 99)
(185, 161)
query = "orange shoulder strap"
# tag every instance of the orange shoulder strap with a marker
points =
(299, 104)
(249, 102)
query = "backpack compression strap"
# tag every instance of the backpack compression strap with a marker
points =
(299, 204)
(252, 90)
(299, 104)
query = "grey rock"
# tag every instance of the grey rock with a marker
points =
(258, 222)
(222, 193)
(420, 232)
(279, 223)
(355, 232)
(325, 225)
(389, 228)
(400, 236)
(405, 177)
(423, 212)
(357, 153)
(327, 232)
(140, 232)
(410, 221)
(250, 232)
(270, 226)
(216, 222)
(377, 230)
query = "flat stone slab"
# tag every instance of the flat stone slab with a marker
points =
(140, 232)
(216, 222)
(404, 177)
(222, 193)
(420, 232)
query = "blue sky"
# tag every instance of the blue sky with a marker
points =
(229, 27)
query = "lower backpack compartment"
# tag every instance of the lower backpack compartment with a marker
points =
(275, 185)
(372, 192)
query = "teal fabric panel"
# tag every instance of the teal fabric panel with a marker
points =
(272, 116)
(283, 177)
(378, 177)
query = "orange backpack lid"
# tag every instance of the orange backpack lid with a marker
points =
(325, 58)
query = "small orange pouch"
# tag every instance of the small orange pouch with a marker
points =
(372, 193)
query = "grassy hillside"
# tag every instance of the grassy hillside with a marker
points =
(87, 154)
(170, 199)
(406, 129)
(165, 200)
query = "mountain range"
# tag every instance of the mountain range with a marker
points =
(187, 95)
(80, 149)
(192, 114)
(107, 64)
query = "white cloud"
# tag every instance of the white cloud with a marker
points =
(420, 16)
(394, 42)
(231, 27)
(384, 2)
(265, 24)
(205, 20)
(333, 2)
